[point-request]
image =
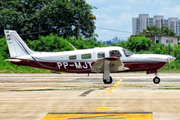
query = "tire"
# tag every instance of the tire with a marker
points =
(156, 80)
(108, 82)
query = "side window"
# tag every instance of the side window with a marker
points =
(101, 55)
(114, 53)
(127, 53)
(86, 56)
(73, 57)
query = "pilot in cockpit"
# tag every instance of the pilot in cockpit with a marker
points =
(115, 53)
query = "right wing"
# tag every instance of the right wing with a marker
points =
(115, 65)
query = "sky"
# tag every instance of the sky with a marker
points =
(116, 15)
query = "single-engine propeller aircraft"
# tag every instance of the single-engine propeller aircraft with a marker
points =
(104, 60)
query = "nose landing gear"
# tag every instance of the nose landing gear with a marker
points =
(156, 79)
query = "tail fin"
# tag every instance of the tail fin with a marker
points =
(16, 45)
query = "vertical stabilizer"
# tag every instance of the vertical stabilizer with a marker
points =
(16, 45)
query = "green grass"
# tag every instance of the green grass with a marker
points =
(34, 90)
(62, 88)
(168, 71)
(172, 88)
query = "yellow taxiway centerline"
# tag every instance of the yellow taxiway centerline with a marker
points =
(102, 108)
(116, 85)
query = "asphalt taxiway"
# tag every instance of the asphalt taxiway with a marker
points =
(78, 96)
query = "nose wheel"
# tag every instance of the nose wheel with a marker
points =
(156, 80)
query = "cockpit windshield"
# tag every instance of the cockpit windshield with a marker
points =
(127, 53)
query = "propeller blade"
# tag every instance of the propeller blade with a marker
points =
(169, 65)
(169, 59)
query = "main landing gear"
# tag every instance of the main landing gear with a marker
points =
(107, 79)
(156, 79)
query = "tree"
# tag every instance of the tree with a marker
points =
(80, 43)
(167, 31)
(4, 52)
(154, 30)
(158, 48)
(63, 17)
(177, 51)
(121, 44)
(138, 43)
(50, 43)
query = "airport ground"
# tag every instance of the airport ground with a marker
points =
(79, 96)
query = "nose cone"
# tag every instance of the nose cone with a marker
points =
(171, 58)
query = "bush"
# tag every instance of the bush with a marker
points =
(50, 43)
(158, 48)
(138, 43)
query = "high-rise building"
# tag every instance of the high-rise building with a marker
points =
(138, 24)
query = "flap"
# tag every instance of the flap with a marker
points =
(115, 65)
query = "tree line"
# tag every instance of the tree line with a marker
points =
(54, 43)
(49, 25)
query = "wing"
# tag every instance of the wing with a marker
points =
(115, 65)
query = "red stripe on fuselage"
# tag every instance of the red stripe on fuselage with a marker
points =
(85, 67)
(144, 66)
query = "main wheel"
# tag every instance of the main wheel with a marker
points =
(108, 82)
(156, 80)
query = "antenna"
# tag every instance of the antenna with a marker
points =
(72, 46)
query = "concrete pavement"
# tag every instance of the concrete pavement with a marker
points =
(76, 96)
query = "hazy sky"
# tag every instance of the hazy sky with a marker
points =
(118, 14)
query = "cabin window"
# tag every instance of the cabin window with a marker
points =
(127, 53)
(86, 56)
(73, 57)
(114, 53)
(101, 55)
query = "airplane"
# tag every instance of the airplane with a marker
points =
(104, 60)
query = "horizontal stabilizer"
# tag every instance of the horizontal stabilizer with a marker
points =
(13, 60)
(125, 68)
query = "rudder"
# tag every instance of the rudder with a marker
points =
(16, 45)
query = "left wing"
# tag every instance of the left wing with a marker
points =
(115, 65)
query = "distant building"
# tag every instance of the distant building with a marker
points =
(109, 42)
(162, 39)
(115, 40)
(138, 24)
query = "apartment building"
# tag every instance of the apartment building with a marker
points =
(140, 23)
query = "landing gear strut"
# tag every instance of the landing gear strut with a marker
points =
(156, 79)
(107, 79)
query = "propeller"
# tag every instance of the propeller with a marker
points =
(169, 59)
